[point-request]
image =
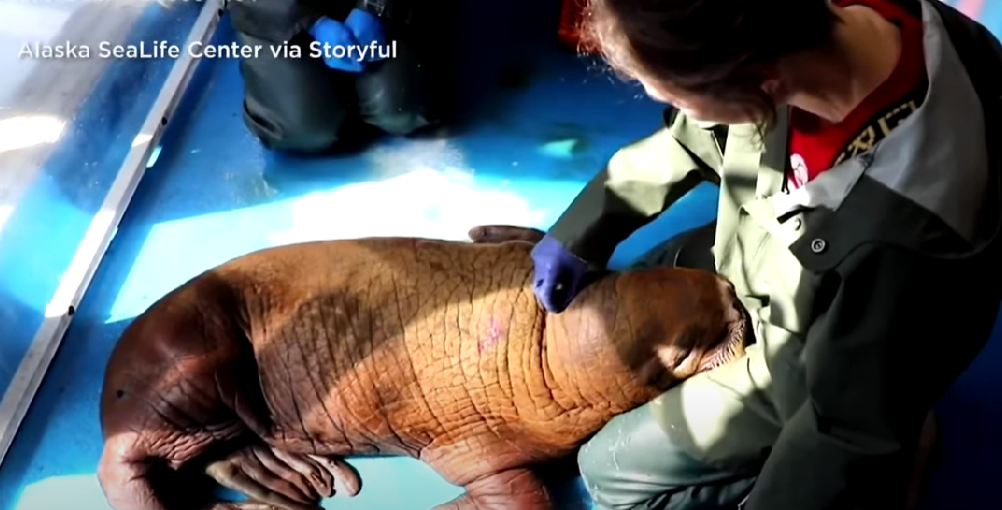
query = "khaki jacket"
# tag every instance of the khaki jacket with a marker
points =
(870, 288)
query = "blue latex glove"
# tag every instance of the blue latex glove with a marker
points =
(334, 34)
(358, 38)
(559, 274)
(368, 30)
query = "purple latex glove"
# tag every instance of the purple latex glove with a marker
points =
(559, 274)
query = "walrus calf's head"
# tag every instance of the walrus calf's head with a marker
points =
(684, 321)
(662, 322)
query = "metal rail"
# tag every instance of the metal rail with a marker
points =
(31, 371)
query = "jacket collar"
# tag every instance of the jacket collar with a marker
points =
(931, 171)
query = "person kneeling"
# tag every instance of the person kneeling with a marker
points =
(344, 69)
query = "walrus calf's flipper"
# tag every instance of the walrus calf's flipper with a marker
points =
(287, 480)
(519, 489)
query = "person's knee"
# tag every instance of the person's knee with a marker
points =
(623, 466)
(293, 131)
(285, 111)
(407, 93)
(632, 463)
(397, 103)
(294, 104)
(593, 464)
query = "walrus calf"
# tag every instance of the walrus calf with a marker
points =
(265, 371)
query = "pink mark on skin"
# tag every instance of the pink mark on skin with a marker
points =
(971, 8)
(495, 330)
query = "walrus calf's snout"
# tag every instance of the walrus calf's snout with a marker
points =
(669, 320)
(718, 328)
(736, 335)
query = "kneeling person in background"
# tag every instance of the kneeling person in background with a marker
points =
(380, 64)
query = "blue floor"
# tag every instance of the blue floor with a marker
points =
(213, 194)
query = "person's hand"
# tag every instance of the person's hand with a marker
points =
(348, 46)
(369, 32)
(336, 39)
(492, 234)
(560, 275)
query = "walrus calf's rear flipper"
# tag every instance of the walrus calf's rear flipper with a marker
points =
(515, 489)
(290, 481)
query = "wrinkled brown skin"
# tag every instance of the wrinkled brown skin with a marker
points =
(267, 370)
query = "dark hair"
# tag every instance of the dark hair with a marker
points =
(717, 48)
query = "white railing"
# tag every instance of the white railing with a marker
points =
(58, 314)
